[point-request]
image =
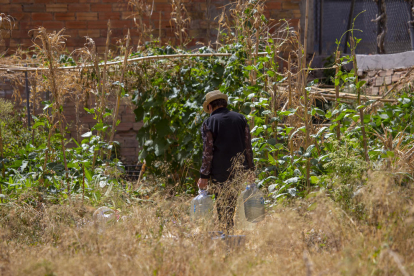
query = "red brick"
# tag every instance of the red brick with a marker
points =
(66, 16)
(34, 8)
(20, 16)
(120, 7)
(42, 1)
(165, 8)
(273, 5)
(11, 8)
(127, 151)
(112, 1)
(53, 25)
(56, 7)
(100, 24)
(124, 126)
(79, 7)
(42, 16)
(4, 1)
(76, 42)
(127, 15)
(101, 7)
(86, 16)
(90, 33)
(22, 1)
(290, 6)
(109, 15)
(76, 25)
(30, 25)
(66, 1)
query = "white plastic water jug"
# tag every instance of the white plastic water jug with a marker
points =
(201, 206)
(253, 203)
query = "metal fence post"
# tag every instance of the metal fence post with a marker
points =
(320, 26)
(27, 100)
(411, 24)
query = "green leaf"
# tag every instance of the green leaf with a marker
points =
(87, 134)
(272, 141)
(271, 159)
(292, 180)
(314, 179)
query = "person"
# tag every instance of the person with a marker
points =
(226, 135)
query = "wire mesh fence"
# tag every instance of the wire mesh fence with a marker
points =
(334, 17)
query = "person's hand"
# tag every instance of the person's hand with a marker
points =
(202, 183)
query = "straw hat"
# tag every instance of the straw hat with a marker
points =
(211, 96)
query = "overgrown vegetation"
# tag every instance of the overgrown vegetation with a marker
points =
(339, 174)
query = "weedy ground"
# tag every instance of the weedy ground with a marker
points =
(312, 236)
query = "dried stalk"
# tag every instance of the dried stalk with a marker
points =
(52, 44)
(118, 100)
(338, 128)
(290, 82)
(361, 110)
(159, 31)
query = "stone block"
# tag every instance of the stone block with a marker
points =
(375, 91)
(360, 73)
(379, 81)
(396, 77)
(389, 72)
(372, 73)
(388, 80)
(382, 73)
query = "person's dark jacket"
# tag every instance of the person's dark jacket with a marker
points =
(225, 135)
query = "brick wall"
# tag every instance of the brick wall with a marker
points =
(89, 18)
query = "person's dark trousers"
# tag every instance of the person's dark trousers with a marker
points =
(226, 201)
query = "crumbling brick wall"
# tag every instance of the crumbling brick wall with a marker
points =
(82, 18)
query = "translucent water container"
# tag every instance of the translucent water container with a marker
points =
(104, 214)
(253, 200)
(201, 206)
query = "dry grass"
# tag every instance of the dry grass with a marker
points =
(311, 236)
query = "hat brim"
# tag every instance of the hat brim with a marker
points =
(213, 98)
